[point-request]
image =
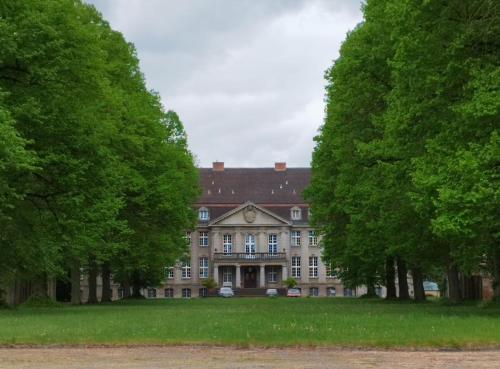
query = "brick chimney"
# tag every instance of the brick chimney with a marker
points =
(218, 166)
(280, 167)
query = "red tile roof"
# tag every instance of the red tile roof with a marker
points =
(263, 186)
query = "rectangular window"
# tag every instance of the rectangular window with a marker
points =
(120, 292)
(169, 292)
(186, 269)
(203, 214)
(296, 266)
(330, 273)
(169, 272)
(331, 291)
(188, 238)
(250, 244)
(313, 238)
(227, 275)
(186, 293)
(203, 239)
(314, 291)
(203, 292)
(349, 292)
(313, 267)
(227, 244)
(272, 275)
(273, 244)
(295, 238)
(203, 267)
(151, 293)
(296, 214)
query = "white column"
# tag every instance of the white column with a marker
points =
(238, 276)
(216, 274)
(262, 280)
(284, 271)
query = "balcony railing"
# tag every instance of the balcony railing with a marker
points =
(257, 256)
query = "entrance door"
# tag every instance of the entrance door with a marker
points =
(250, 277)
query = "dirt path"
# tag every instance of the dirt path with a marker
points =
(221, 357)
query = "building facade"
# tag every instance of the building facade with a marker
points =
(252, 233)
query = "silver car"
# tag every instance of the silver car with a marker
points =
(226, 292)
(272, 292)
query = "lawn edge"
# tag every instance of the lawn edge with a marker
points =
(304, 347)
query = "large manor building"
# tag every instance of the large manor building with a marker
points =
(253, 232)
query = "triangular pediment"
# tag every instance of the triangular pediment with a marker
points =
(250, 214)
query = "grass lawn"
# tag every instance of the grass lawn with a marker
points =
(257, 321)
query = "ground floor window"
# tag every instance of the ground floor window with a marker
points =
(314, 291)
(349, 292)
(227, 275)
(203, 292)
(186, 293)
(331, 291)
(169, 292)
(272, 274)
(151, 292)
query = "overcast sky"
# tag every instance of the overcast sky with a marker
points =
(245, 76)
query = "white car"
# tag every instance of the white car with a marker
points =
(226, 292)
(272, 292)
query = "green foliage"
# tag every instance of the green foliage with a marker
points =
(406, 163)
(41, 302)
(290, 282)
(95, 170)
(209, 283)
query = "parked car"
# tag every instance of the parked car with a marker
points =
(272, 292)
(293, 292)
(226, 292)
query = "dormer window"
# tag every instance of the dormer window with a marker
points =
(203, 214)
(296, 213)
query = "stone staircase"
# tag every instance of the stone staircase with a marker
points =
(255, 292)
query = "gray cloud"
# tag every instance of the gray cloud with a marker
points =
(245, 76)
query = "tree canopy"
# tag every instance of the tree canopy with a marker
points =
(405, 168)
(93, 171)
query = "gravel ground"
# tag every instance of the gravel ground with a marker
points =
(224, 357)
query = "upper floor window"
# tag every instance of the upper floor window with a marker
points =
(273, 244)
(295, 238)
(250, 244)
(296, 213)
(169, 272)
(203, 239)
(227, 244)
(188, 238)
(203, 214)
(296, 266)
(313, 238)
(313, 267)
(186, 269)
(330, 273)
(204, 267)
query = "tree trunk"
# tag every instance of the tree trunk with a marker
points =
(418, 285)
(92, 282)
(136, 291)
(106, 283)
(75, 284)
(453, 284)
(126, 289)
(402, 279)
(390, 275)
(496, 274)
